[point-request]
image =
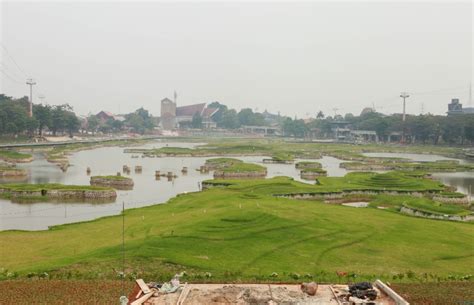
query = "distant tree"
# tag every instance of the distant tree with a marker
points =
(42, 113)
(296, 128)
(71, 123)
(117, 125)
(245, 116)
(320, 115)
(58, 120)
(349, 117)
(92, 123)
(140, 121)
(229, 120)
(31, 125)
(469, 128)
(248, 117)
(197, 121)
(13, 117)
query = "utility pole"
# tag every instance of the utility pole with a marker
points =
(30, 82)
(404, 96)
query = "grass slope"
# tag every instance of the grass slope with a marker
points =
(241, 233)
(13, 155)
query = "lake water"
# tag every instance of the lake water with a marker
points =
(414, 157)
(147, 190)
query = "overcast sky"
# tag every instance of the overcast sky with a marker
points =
(296, 58)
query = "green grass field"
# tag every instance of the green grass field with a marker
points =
(243, 233)
(14, 155)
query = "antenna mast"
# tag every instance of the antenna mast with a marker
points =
(30, 82)
(404, 96)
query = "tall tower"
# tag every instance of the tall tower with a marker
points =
(168, 114)
(30, 82)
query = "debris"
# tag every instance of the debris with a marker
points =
(363, 290)
(309, 288)
(143, 299)
(144, 287)
(183, 295)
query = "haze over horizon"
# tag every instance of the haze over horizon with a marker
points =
(296, 58)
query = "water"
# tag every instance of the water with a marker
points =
(356, 204)
(147, 190)
(414, 157)
(108, 161)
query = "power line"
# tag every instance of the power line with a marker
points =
(13, 60)
(10, 78)
(7, 69)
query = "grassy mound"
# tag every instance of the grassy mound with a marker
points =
(14, 155)
(282, 157)
(221, 162)
(244, 168)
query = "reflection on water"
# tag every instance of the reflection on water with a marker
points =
(414, 157)
(463, 181)
(147, 189)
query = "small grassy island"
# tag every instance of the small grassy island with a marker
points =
(15, 157)
(56, 191)
(7, 170)
(117, 182)
(240, 169)
(308, 164)
(280, 158)
(435, 166)
(220, 163)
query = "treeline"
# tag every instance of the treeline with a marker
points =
(426, 129)
(139, 121)
(14, 118)
(228, 118)
(61, 119)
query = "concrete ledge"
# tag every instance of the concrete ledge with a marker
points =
(392, 294)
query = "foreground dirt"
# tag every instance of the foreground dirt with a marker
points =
(108, 292)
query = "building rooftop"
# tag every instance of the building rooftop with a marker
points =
(190, 110)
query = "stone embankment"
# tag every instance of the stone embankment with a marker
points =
(452, 200)
(60, 194)
(312, 174)
(117, 182)
(342, 194)
(236, 175)
(419, 213)
(276, 161)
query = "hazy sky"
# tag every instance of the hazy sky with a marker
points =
(296, 58)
